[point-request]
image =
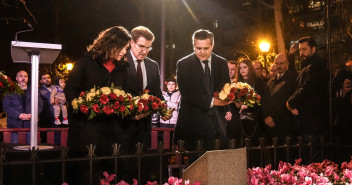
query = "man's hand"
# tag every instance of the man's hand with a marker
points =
(294, 48)
(269, 121)
(218, 102)
(293, 111)
(25, 116)
(228, 116)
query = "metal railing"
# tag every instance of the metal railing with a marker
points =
(263, 154)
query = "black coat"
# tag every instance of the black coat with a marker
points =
(46, 118)
(276, 94)
(153, 77)
(196, 118)
(101, 131)
(310, 96)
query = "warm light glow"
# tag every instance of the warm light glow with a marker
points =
(69, 66)
(264, 47)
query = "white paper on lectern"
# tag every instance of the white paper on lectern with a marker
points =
(48, 52)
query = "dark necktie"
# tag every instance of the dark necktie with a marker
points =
(140, 75)
(207, 73)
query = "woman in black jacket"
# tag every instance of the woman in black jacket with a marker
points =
(101, 66)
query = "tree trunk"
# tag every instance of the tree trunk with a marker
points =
(279, 26)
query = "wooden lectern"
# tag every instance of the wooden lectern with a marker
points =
(34, 53)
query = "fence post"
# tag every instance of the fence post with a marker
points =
(287, 144)
(275, 144)
(299, 143)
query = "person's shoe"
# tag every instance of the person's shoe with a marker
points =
(57, 122)
(65, 122)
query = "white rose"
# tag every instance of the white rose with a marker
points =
(90, 95)
(80, 100)
(222, 95)
(92, 90)
(239, 85)
(145, 96)
(227, 88)
(74, 103)
(105, 90)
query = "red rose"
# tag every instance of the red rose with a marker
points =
(113, 96)
(155, 105)
(250, 96)
(122, 108)
(104, 99)
(84, 109)
(216, 94)
(164, 105)
(129, 98)
(96, 108)
(9, 79)
(140, 107)
(146, 91)
(1, 85)
(121, 98)
(145, 108)
(108, 110)
(3, 77)
(82, 94)
(231, 96)
(233, 90)
(131, 107)
(12, 87)
(259, 97)
(116, 105)
(243, 92)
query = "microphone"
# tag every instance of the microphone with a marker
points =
(30, 29)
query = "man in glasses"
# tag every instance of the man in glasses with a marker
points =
(143, 73)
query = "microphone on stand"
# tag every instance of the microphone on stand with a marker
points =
(29, 25)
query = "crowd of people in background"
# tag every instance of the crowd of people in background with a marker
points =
(294, 102)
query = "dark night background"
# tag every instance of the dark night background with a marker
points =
(237, 25)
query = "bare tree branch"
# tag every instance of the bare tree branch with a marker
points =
(28, 11)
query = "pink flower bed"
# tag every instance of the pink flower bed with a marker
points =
(326, 172)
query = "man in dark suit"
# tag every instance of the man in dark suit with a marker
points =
(281, 123)
(143, 73)
(46, 118)
(18, 107)
(309, 101)
(199, 75)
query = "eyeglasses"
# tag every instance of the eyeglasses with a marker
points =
(144, 48)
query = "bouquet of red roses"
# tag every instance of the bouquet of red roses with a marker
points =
(240, 92)
(147, 104)
(103, 101)
(7, 86)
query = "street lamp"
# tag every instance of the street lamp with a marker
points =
(69, 66)
(264, 48)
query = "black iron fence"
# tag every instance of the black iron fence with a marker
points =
(36, 163)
